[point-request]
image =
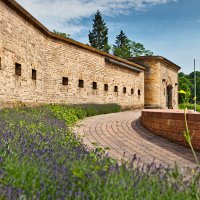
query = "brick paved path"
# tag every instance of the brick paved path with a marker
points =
(124, 135)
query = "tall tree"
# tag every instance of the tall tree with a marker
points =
(126, 48)
(98, 38)
(121, 48)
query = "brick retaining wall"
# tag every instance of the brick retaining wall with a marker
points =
(171, 125)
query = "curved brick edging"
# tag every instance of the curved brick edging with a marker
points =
(171, 125)
(125, 136)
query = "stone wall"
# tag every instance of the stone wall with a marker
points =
(20, 43)
(152, 84)
(76, 64)
(171, 125)
(168, 76)
(24, 44)
(160, 74)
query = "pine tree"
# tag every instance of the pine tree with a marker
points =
(98, 38)
(122, 47)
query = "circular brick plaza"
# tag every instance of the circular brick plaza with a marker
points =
(124, 135)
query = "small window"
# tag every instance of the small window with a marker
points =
(94, 85)
(80, 83)
(124, 89)
(34, 74)
(132, 91)
(116, 89)
(18, 69)
(139, 92)
(65, 81)
(105, 87)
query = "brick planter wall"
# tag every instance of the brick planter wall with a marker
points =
(171, 125)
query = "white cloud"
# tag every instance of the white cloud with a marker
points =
(64, 15)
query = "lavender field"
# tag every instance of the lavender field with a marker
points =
(40, 158)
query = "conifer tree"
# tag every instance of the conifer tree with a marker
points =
(122, 47)
(125, 48)
(98, 38)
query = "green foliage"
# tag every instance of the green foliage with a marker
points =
(186, 83)
(68, 114)
(191, 78)
(137, 49)
(40, 158)
(189, 106)
(181, 74)
(71, 114)
(98, 109)
(66, 35)
(24, 173)
(98, 38)
(122, 47)
(125, 48)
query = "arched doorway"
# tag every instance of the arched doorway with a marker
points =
(169, 97)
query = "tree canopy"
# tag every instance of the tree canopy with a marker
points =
(137, 49)
(121, 47)
(125, 48)
(186, 83)
(98, 37)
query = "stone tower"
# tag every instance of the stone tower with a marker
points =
(160, 82)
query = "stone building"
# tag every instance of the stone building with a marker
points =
(160, 82)
(38, 66)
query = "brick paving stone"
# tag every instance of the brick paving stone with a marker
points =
(125, 136)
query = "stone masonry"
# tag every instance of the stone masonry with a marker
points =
(161, 82)
(59, 65)
(38, 66)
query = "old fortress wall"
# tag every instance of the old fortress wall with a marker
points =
(23, 44)
(80, 64)
(169, 78)
(36, 68)
(160, 82)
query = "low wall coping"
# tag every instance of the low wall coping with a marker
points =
(191, 115)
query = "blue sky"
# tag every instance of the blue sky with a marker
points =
(169, 28)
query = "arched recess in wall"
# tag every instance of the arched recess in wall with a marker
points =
(169, 93)
(169, 98)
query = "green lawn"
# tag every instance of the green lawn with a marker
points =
(189, 106)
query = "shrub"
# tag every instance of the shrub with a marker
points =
(98, 109)
(189, 106)
(41, 159)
